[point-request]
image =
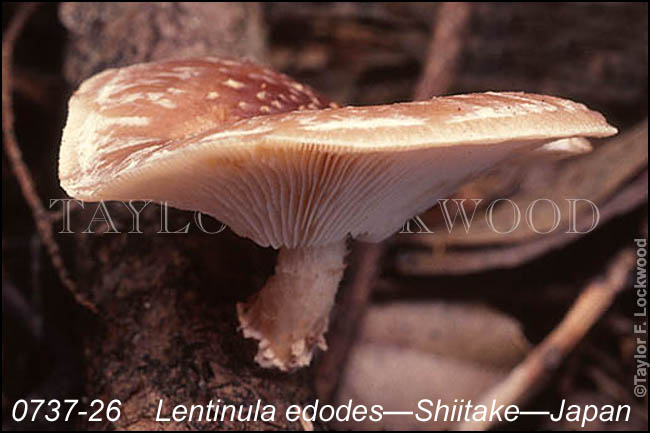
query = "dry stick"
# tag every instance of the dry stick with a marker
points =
(446, 45)
(23, 175)
(305, 423)
(35, 87)
(343, 331)
(594, 300)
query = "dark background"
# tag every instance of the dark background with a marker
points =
(355, 54)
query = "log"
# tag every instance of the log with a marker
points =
(102, 35)
(167, 325)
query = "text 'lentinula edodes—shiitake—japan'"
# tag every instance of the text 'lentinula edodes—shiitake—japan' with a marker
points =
(290, 170)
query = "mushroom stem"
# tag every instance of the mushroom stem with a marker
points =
(290, 314)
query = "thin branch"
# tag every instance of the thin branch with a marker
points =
(20, 169)
(449, 29)
(14, 303)
(528, 376)
(343, 331)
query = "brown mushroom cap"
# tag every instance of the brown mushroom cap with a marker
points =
(299, 178)
(121, 114)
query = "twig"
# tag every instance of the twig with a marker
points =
(304, 422)
(444, 51)
(38, 88)
(22, 173)
(594, 300)
(343, 331)
(14, 303)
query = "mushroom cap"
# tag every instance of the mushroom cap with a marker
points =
(121, 114)
(296, 178)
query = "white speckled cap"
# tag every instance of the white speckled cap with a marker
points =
(262, 154)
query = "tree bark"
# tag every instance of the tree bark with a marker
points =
(167, 324)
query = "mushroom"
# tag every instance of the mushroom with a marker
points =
(266, 156)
